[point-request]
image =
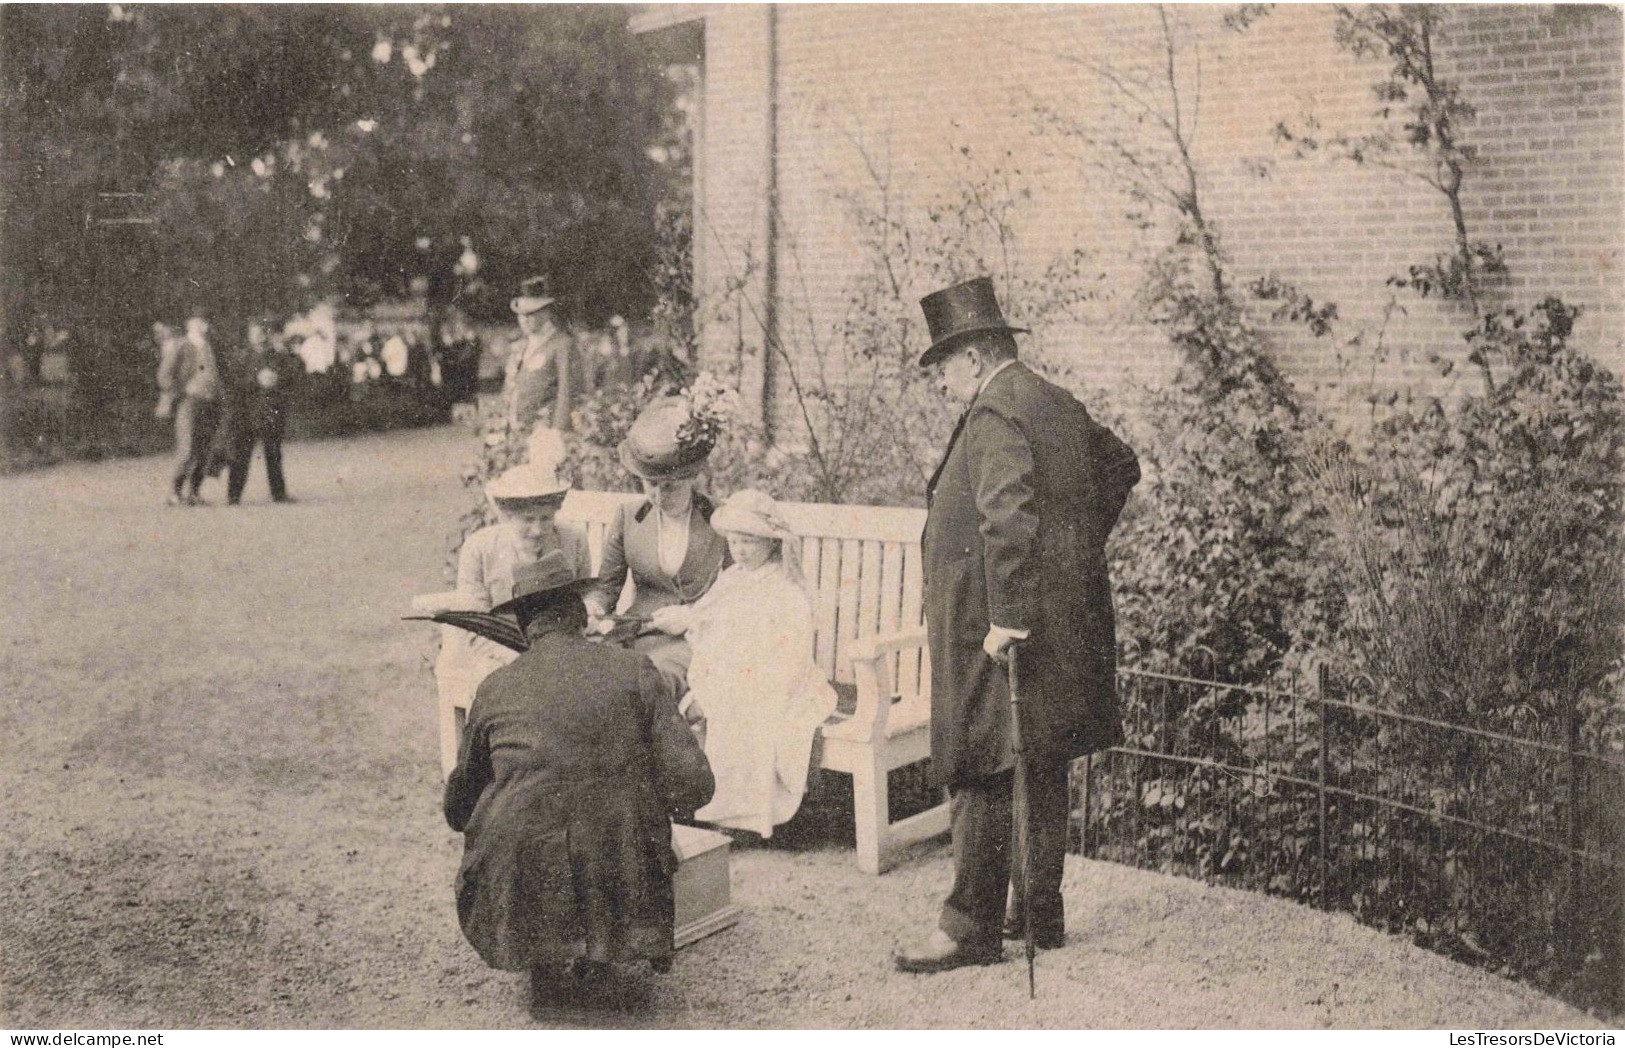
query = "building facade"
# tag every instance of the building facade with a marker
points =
(818, 122)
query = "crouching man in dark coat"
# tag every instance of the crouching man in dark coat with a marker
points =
(573, 760)
(1014, 550)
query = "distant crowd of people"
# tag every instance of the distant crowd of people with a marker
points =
(227, 396)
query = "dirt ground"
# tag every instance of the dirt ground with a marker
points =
(222, 810)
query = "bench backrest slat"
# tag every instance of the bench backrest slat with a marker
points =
(825, 599)
(861, 563)
(914, 671)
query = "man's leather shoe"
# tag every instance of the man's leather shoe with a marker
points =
(940, 953)
(1043, 938)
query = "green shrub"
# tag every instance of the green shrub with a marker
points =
(1480, 539)
(1218, 564)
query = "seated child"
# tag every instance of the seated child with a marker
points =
(752, 675)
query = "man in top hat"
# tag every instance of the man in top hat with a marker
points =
(573, 761)
(1014, 551)
(538, 376)
(527, 499)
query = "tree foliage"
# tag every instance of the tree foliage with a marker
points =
(284, 154)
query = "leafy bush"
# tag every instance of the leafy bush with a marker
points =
(1481, 542)
(1218, 564)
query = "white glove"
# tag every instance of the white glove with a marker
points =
(998, 640)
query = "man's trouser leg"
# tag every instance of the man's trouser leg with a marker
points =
(185, 409)
(205, 420)
(242, 455)
(1048, 804)
(974, 911)
(271, 440)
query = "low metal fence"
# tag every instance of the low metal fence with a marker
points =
(1501, 849)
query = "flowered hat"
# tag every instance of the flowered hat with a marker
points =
(665, 443)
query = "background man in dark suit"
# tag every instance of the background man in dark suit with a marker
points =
(259, 411)
(540, 372)
(1014, 550)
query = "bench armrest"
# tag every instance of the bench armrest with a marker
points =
(872, 670)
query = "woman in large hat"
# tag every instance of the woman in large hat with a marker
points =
(572, 763)
(665, 543)
(752, 677)
(527, 498)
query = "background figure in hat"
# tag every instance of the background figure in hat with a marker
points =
(189, 388)
(1014, 549)
(527, 499)
(752, 677)
(537, 378)
(665, 543)
(573, 762)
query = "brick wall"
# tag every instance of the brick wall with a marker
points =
(906, 90)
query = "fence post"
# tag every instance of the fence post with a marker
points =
(1320, 776)
(1567, 921)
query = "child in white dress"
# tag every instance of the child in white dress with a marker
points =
(753, 676)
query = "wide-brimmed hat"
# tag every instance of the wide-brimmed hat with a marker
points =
(539, 584)
(537, 481)
(957, 312)
(661, 445)
(751, 512)
(534, 294)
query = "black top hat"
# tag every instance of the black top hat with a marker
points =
(539, 584)
(955, 312)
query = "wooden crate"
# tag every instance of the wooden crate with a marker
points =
(704, 905)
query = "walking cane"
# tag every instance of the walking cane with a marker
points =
(1019, 816)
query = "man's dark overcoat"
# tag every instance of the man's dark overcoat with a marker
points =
(1018, 515)
(573, 759)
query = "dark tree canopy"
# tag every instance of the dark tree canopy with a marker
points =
(289, 153)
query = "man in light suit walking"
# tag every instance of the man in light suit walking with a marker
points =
(189, 388)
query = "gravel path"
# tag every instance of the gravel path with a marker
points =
(223, 794)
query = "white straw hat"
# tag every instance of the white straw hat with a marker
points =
(537, 480)
(751, 512)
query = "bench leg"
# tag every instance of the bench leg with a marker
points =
(871, 810)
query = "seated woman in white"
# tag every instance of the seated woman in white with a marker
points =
(753, 676)
(526, 498)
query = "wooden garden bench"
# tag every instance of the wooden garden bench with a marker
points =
(862, 565)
